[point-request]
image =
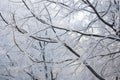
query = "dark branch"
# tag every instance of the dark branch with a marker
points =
(85, 34)
(3, 18)
(94, 72)
(110, 25)
(44, 39)
(68, 47)
(88, 66)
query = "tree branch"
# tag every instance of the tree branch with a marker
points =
(110, 25)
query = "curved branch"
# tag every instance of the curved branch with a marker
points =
(108, 24)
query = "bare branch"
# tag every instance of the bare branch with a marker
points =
(3, 18)
(110, 25)
(86, 64)
(49, 40)
(68, 47)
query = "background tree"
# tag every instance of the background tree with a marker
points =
(59, 39)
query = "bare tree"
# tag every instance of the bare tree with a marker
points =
(61, 39)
